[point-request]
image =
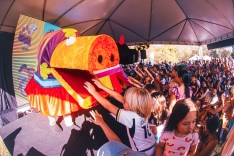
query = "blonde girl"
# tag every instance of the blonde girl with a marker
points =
(179, 137)
(137, 104)
(160, 113)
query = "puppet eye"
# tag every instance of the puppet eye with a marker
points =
(100, 59)
(112, 58)
(70, 40)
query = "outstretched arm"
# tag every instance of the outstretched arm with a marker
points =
(217, 110)
(98, 120)
(139, 74)
(145, 68)
(152, 71)
(103, 101)
(112, 93)
(134, 84)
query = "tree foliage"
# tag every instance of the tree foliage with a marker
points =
(176, 53)
(232, 54)
(214, 54)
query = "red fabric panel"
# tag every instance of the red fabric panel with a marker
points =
(123, 78)
(76, 80)
(116, 84)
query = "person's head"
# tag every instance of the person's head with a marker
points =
(175, 70)
(183, 78)
(155, 67)
(139, 101)
(151, 88)
(231, 91)
(202, 90)
(227, 72)
(221, 96)
(198, 104)
(159, 102)
(159, 77)
(193, 78)
(162, 71)
(211, 125)
(114, 148)
(147, 80)
(145, 74)
(214, 91)
(228, 82)
(204, 84)
(159, 108)
(183, 117)
(209, 79)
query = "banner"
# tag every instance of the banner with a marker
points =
(28, 34)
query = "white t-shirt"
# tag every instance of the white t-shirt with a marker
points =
(163, 81)
(212, 99)
(198, 82)
(140, 136)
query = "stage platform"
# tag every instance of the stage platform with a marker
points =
(31, 135)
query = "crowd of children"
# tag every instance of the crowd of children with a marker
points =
(185, 109)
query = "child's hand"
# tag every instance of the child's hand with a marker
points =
(98, 83)
(90, 88)
(129, 81)
(129, 78)
(98, 120)
(229, 116)
(208, 109)
(223, 97)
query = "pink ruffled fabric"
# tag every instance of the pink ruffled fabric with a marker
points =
(179, 96)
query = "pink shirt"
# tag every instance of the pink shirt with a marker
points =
(176, 146)
(179, 96)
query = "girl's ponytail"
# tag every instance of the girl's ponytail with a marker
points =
(185, 78)
(186, 81)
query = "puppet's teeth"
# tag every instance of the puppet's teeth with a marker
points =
(70, 40)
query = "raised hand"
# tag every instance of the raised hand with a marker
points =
(223, 97)
(97, 118)
(229, 116)
(90, 88)
(98, 83)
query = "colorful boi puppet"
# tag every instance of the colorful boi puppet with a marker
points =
(65, 61)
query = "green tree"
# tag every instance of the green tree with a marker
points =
(205, 50)
(232, 54)
(214, 54)
(225, 53)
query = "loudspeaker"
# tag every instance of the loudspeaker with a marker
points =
(143, 54)
(127, 56)
(133, 56)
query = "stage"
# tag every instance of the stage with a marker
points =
(31, 135)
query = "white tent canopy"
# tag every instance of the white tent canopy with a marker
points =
(194, 58)
(206, 57)
(140, 21)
